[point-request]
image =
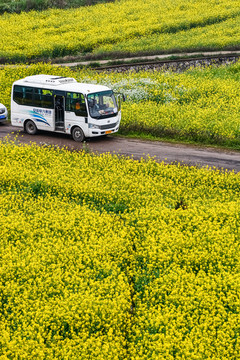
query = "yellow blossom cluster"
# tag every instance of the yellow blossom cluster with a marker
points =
(104, 257)
(125, 26)
(212, 36)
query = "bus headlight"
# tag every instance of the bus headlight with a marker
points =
(93, 126)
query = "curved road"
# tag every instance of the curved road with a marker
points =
(161, 151)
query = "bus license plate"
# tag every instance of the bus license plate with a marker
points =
(108, 132)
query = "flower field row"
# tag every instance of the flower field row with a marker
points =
(213, 36)
(96, 29)
(199, 105)
(104, 257)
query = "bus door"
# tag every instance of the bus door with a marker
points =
(59, 107)
(76, 112)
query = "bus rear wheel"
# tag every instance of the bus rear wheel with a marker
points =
(30, 127)
(77, 134)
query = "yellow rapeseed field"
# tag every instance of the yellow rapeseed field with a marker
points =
(104, 257)
(125, 26)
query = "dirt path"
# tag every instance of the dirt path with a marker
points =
(75, 61)
(189, 155)
(152, 57)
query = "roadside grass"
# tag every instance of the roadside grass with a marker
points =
(176, 140)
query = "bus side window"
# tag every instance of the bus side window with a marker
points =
(37, 98)
(23, 95)
(18, 94)
(43, 98)
(75, 102)
(82, 111)
(47, 99)
(69, 102)
(28, 96)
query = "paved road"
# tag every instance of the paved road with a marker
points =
(189, 155)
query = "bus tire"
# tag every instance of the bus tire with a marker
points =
(30, 127)
(77, 134)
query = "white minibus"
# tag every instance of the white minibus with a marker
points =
(61, 104)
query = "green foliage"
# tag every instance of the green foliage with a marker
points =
(17, 6)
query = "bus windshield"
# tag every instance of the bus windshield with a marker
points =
(102, 105)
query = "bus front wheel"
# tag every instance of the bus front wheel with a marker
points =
(30, 127)
(77, 134)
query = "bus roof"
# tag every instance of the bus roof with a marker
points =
(60, 83)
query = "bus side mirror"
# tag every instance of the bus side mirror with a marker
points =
(120, 98)
(119, 102)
